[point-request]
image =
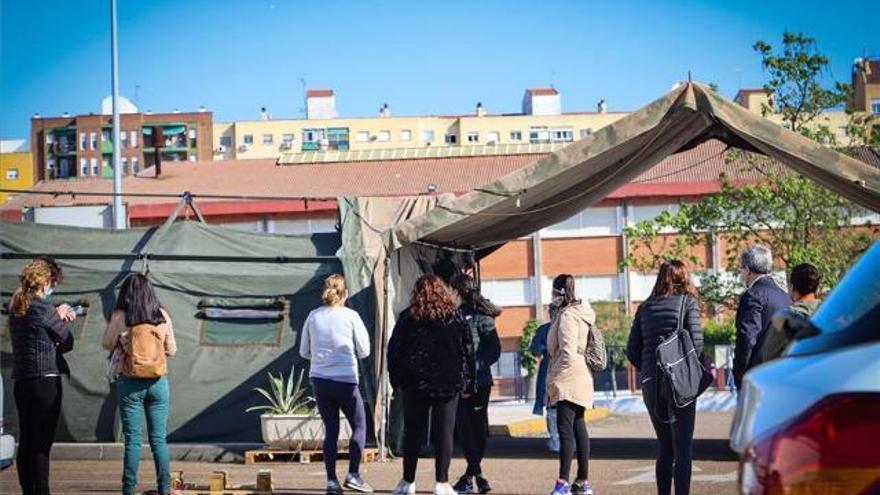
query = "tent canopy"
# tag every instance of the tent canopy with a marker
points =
(581, 174)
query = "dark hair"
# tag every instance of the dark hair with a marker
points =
(673, 279)
(139, 301)
(563, 285)
(467, 288)
(447, 270)
(54, 267)
(805, 278)
(432, 299)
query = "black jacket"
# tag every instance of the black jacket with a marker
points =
(753, 318)
(39, 340)
(486, 343)
(656, 319)
(435, 358)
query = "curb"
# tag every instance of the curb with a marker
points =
(538, 425)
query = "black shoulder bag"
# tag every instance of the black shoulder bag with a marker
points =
(680, 365)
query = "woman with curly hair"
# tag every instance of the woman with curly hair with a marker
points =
(431, 359)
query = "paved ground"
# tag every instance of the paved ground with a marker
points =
(621, 463)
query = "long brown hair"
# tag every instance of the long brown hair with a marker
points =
(432, 299)
(36, 275)
(673, 279)
(334, 289)
(563, 286)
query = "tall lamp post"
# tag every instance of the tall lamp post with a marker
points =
(118, 213)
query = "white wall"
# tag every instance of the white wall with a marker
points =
(509, 292)
(100, 217)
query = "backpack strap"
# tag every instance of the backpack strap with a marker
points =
(680, 325)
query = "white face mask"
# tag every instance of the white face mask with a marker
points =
(49, 291)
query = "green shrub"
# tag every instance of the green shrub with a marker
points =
(526, 359)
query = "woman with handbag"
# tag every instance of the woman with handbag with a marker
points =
(570, 383)
(141, 329)
(672, 306)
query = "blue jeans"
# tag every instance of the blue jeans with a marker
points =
(137, 395)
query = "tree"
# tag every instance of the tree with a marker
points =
(798, 219)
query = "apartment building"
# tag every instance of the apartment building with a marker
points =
(16, 171)
(541, 121)
(82, 146)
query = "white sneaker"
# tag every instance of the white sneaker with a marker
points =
(404, 488)
(444, 489)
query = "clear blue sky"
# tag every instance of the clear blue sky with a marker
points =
(234, 56)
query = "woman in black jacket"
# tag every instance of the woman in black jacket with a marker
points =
(473, 418)
(40, 337)
(431, 359)
(656, 319)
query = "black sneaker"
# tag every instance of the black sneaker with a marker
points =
(581, 488)
(465, 484)
(354, 482)
(333, 488)
(482, 484)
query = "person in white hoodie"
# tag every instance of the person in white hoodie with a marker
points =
(334, 338)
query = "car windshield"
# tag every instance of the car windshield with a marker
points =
(855, 296)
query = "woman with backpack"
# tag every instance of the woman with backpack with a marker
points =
(673, 303)
(431, 360)
(140, 336)
(570, 383)
(40, 338)
(472, 419)
(334, 338)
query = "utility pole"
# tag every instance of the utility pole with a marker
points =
(118, 213)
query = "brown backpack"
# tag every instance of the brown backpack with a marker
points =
(144, 352)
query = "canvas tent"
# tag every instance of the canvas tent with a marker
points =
(581, 174)
(201, 273)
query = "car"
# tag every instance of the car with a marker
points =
(809, 422)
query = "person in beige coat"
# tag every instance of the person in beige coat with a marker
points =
(570, 383)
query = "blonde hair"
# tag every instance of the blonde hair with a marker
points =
(35, 276)
(334, 289)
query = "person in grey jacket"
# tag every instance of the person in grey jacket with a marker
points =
(472, 420)
(656, 319)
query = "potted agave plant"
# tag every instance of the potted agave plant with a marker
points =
(290, 420)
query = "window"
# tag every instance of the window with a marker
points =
(193, 137)
(516, 135)
(473, 137)
(83, 167)
(105, 135)
(450, 139)
(123, 137)
(135, 165)
(875, 106)
(564, 135)
(594, 221)
(337, 138)
(50, 164)
(312, 139)
(12, 174)
(384, 136)
(83, 141)
(494, 138)
(406, 135)
(362, 136)
(93, 141)
(586, 133)
(427, 136)
(134, 139)
(222, 323)
(124, 166)
(226, 141)
(286, 140)
(50, 138)
(248, 139)
(105, 162)
(539, 135)
(513, 292)
(267, 139)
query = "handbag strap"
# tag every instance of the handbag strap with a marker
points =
(680, 325)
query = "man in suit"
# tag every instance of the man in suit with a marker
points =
(762, 298)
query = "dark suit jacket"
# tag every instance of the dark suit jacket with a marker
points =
(753, 318)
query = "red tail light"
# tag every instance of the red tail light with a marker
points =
(832, 449)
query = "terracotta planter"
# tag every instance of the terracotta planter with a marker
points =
(298, 432)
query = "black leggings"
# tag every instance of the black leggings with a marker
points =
(415, 432)
(39, 405)
(573, 437)
(676, 442)
(473, 428)
(333, 396)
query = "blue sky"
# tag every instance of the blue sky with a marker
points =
(234, 56)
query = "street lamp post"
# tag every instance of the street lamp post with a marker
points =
(118, 213)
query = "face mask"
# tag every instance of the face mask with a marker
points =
(49, 291)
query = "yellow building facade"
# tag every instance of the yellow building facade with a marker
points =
(16, 172)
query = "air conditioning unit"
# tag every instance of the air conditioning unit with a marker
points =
(244, 147)
(220, 149)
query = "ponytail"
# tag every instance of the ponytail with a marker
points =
(334, 289)
(35, 276)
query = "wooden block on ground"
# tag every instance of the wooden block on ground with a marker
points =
(217, 482)
(264, 480)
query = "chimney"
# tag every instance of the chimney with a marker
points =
(602, 107)
(384, 111)
(264, 114)
(320, 104)
(542, 101)
(481, 112)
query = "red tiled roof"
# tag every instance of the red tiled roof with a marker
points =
(543, 91)
(315, 93)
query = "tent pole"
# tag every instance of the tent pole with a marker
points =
(386, 304)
